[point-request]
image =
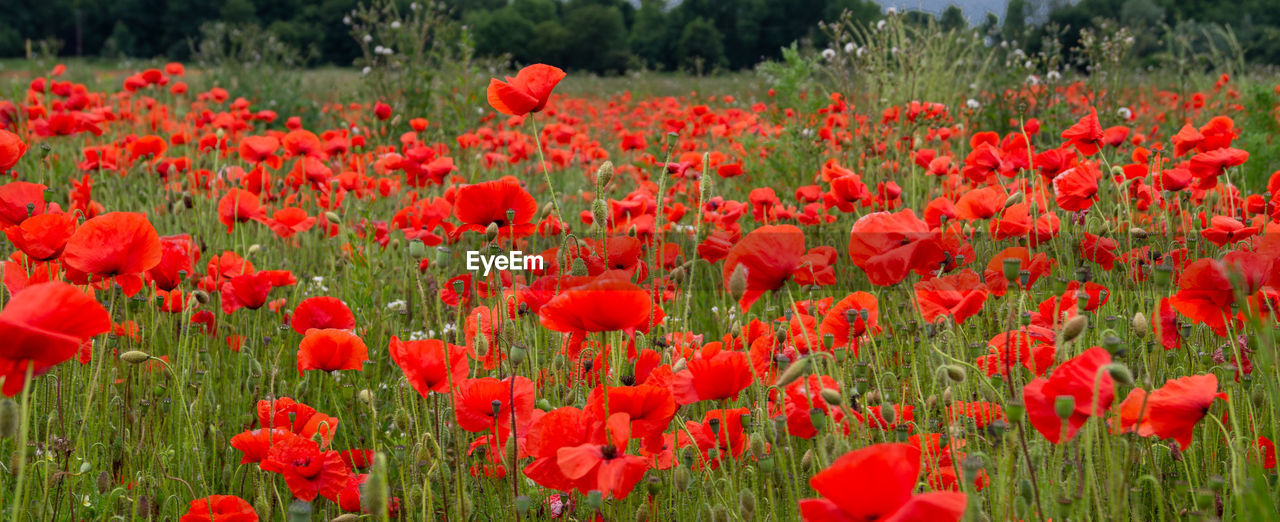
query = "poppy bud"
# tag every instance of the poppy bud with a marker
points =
(806, 461)
(747, 503)
(254, 249)
(517, 355)
(758, 445)
(578, 267)
(366, 396)
(1120, 373)
(1074, 327)
(600, 212)
(1137, 233)
(1013, 199)
(8, 418)
(135, 357)
(642, 513)
(873, 398)
(794, 371)
(1139, 326)
(491, 231)
(946, 396)
(719, 514)
(144, 508)
(346, 517)
(1064, 406)
(604, 174)
(681, 479)
(889, 413)
(954, 372)
(202, 297)
(104, 481)
(831, 396)
(678, 275)
(332, 217)
(738, 282)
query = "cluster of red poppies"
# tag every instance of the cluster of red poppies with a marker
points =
(953, 226)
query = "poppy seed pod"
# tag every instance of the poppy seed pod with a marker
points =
(135, 357)
(1012, 266)
(417, 249)
(889, 413)
(1064, 406)
(1074, 327)
(578, 267)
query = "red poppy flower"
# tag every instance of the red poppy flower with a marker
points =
(1205, 294)
(604, 304)
(878, 483)
(560, 428)
(178, 256)
(254, 444)
(982, 203)
(307, 470)
(117, 244)
(42, 237)
(331, 350)
(649, 408)
(1100, 250)
(485, 404)
(11, 150)
(1085, 135)
(239, 206)
(44, 325)
(289, 221)
(322, 312)
(502, 202)
(1223, 230)
(427, 365)
(803, 397)
(1084, 380)
(20, 200)
(1077, 189)
(1030, 346)
(251, 290)
(1173, 410)
(1036, 267)
(1207, 166)
(720, 376)
(851, 318)
(769, 255)
(959, 296)
(256, 149)
(219, 508)
(298, 418)
(527, 92)
(604, 466)
(888, 246)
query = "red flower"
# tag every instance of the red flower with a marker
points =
(251, 290)
(959, 296)
(322, 312)
(1205, 294)
(427, 365)
(650, 408)
(851, 318)
(254, 444)
(1173, 410)
(1084, 379)
(307, 470)
(1077, 189)
(178, 255)
(604, 466)
(560, 428)
(877, 483)
(42, 237)
(256, 149)
(1036, 267)
(769, 255)
(331, 350)
(219, 508)
(502, 202)
(1086, 135)
(289, 221)
(239, 206)
(485, 404)
(11, 150)
(1223, 230)
(604, 304)
(20, 200)
(888, 246)
(720, 376)
(527, 92)
(43, 326)
(296, 417)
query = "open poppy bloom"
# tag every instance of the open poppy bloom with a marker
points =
(297, 418)
(322, 312)
(604, 465)
(43, 326)
(42, 237)
(878, 482)
(122, 245)
(527, 92)
(720, 376)
(331, 350)
(605, 304)
(485, 404)
(429, 364)
(308, 471)
(958, 296)
(1173, 410)
(11, 150)
(1205, 294)
(20, 200)
(1084, 380)
(1086, 135)
(888, 246)
(501, 202)
(219, 508)
(851, 318)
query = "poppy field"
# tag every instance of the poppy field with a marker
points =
(1051, 300)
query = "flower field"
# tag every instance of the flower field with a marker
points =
(724, 306)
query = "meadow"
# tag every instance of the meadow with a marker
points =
(912, 280)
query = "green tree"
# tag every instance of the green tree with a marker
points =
(238, 12)
(701, 45)
(1015, 21)
(598, 39)
(549, 43)
(650, 34)
(952, 18)
(501, 31)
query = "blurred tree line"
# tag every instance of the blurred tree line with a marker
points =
(610, 36)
